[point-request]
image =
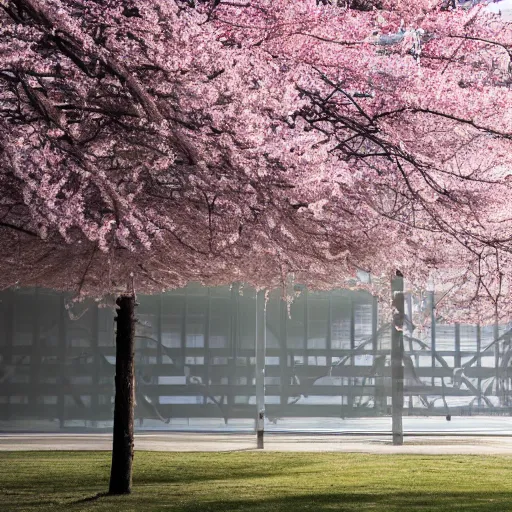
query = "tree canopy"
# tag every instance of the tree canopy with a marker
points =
(169, 141)
(409, 101)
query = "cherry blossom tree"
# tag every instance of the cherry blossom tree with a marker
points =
(148, 144)
(412, 98)
(140, 152)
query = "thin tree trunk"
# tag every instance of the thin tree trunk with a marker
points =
(122, 448)
(397, 350)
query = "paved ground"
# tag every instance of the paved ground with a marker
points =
(274, 442)
(435, 425)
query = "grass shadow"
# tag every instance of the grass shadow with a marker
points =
(360, 502)
(88, 499)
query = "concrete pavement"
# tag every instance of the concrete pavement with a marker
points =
(431, 445)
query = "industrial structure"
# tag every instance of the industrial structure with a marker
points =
(326, 356)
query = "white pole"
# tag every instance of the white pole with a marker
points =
(260, 349)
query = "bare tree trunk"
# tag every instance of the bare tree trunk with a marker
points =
(122, 448)
(397, 350)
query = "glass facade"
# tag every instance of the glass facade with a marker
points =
(327, 365)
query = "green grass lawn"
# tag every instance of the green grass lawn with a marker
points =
(257, 481)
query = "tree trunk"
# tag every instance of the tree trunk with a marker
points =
(122, 447)
(397, 350)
